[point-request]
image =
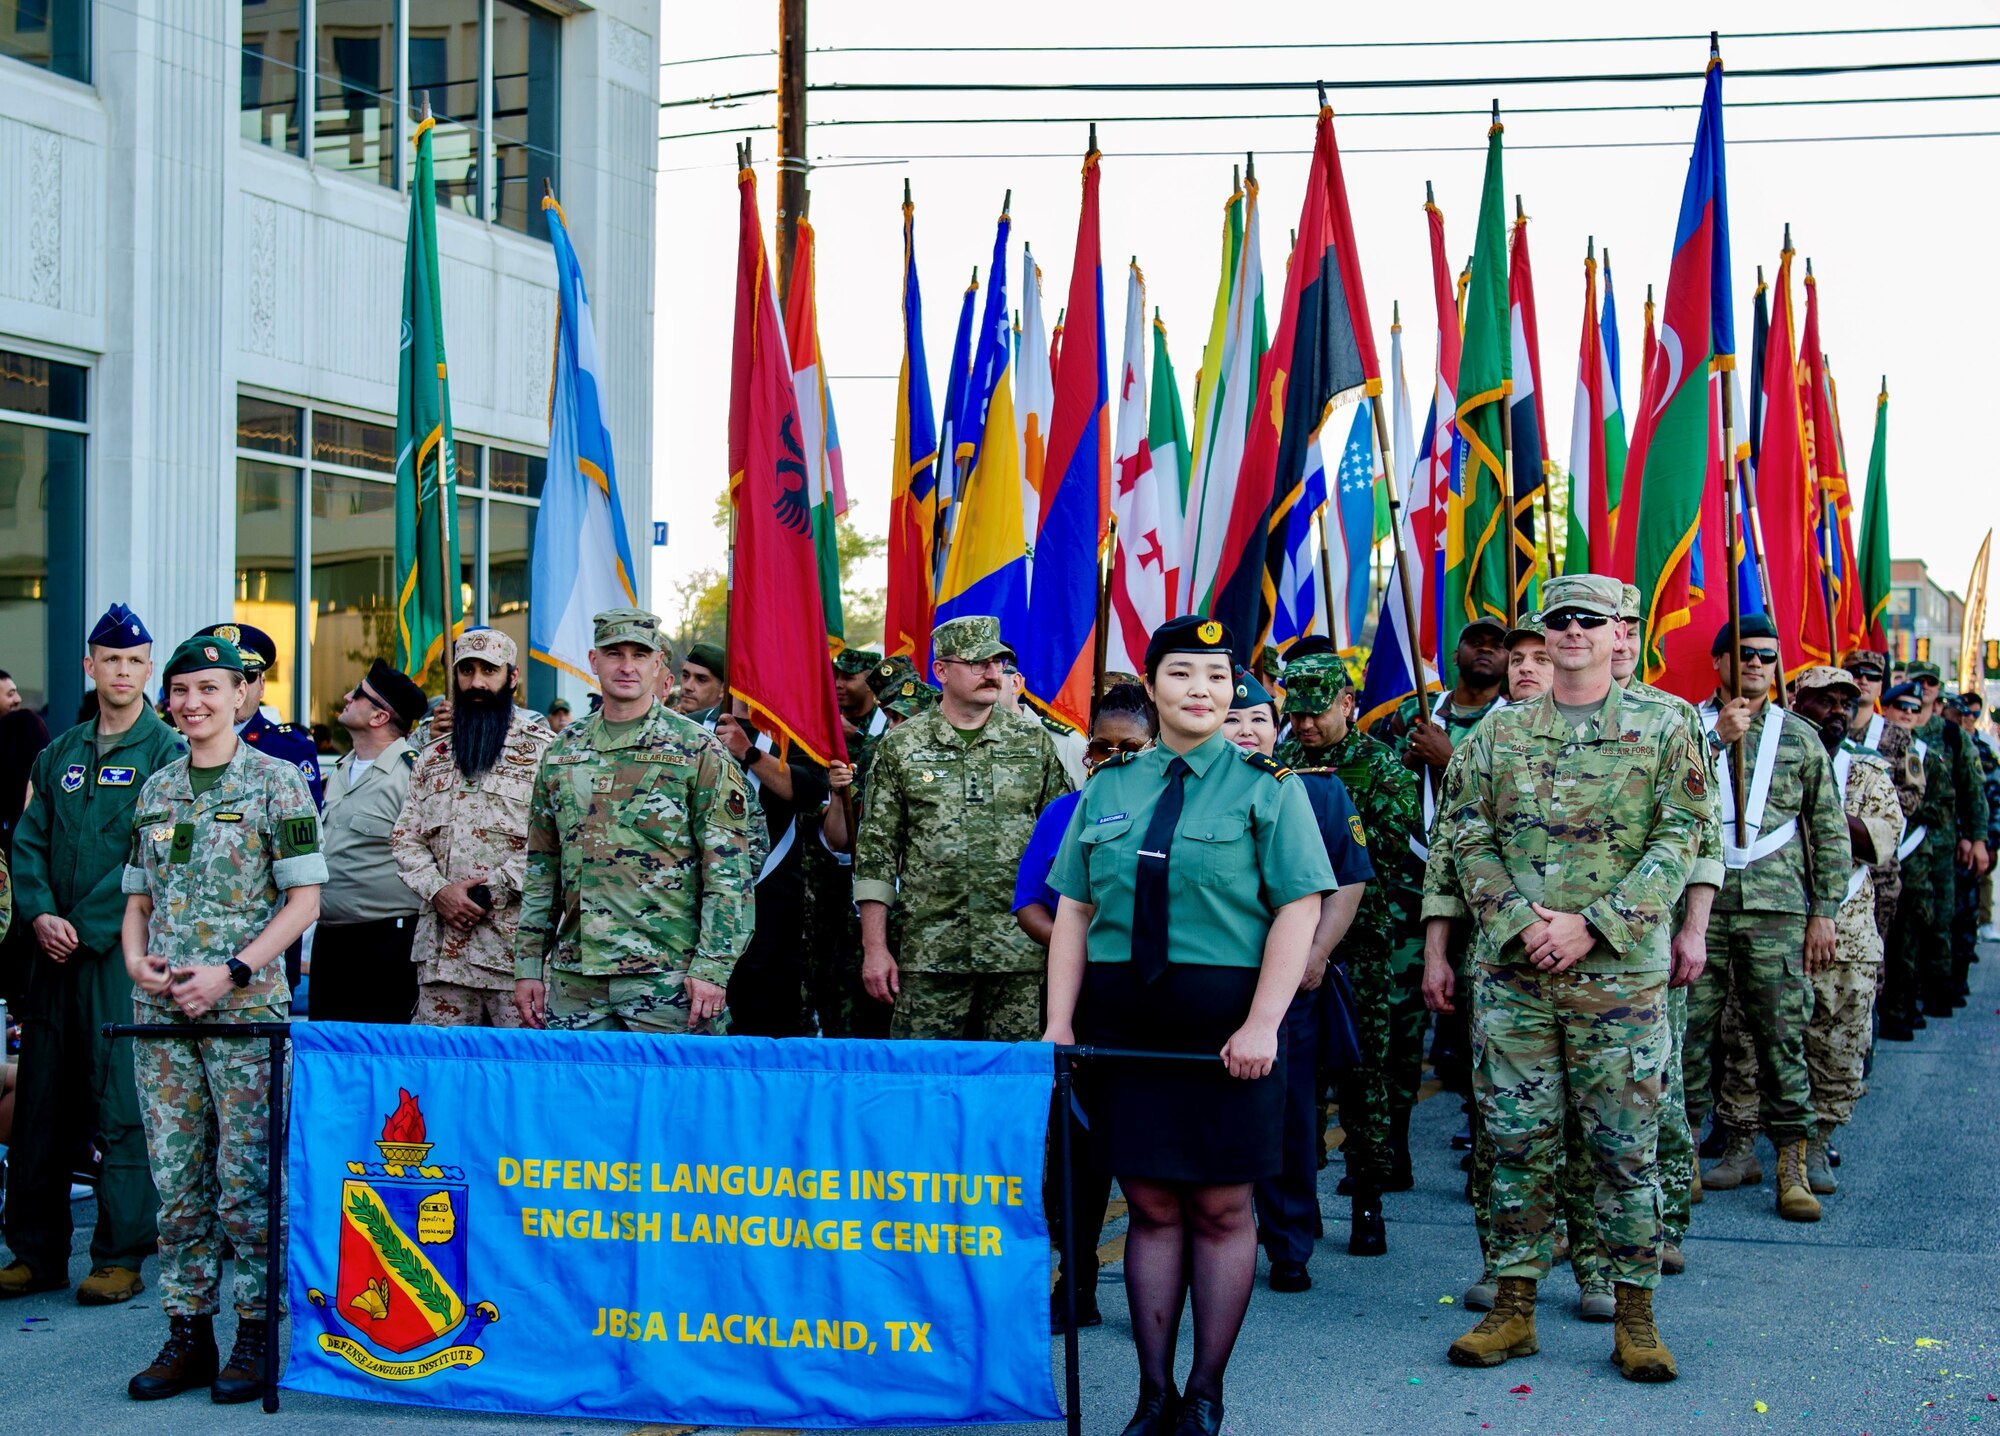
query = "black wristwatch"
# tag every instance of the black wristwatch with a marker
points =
(240, 972)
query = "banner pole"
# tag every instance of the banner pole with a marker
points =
(1730, 520)
(1065, 1161)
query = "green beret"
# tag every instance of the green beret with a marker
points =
(204, 651)
(711, 657)
(627, 625)
(1249, 692)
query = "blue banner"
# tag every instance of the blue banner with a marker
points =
(731, 1232)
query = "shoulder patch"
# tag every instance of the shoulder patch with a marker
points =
(1354, 827)
(1265, 764)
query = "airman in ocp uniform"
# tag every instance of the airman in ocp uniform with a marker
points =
(643, 850)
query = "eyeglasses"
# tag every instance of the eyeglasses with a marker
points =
(998, 665)
(1569, 618)
(1766, 656)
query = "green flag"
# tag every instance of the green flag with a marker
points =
(1477, 567)
(427, 574)
(1875, 528)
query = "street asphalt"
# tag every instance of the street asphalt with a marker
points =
(1883, 1317)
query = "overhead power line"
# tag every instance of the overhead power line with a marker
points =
(1453, 82)
(1292, 117)
(1296, 45)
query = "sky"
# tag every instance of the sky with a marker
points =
(1896, 229)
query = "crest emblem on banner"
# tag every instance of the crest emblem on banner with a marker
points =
(400, 1285)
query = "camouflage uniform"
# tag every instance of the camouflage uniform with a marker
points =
(1969, 817)
(1842, 1026)
(1894, 746)
(1596, 1031)
(1918, 919)
(1384, 962)
(947, 817)
(454, 829)
(1757, 934)
(215, 867)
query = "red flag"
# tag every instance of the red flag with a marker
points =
(1827, 463)
(1785, 500)
(774, 569)
(1689, 671)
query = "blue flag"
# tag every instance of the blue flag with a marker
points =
(583, 559)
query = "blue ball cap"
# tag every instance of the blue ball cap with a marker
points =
(119, 628)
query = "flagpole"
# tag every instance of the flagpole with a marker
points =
(1730, 520)
(1548, 514)
(1101, 646)
(729, 563)
(1756, 525)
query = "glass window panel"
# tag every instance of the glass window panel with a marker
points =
(353, 585)
(527, 45)
(54, 34)
(510, 541)
(47, 387)
(468, 560)
(354, 119)
(268, 425)
(354, 443)
(469, 456)
(267, 562)
(510, 473)
(33, 464)
(444, 66)
(273, 59)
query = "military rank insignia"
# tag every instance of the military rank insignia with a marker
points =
(403, 1268)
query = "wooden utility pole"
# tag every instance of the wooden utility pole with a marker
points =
(792, 165)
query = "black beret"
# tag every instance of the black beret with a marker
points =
(399, 691)
(1750, 625)
(1190, 633)
(257, 647)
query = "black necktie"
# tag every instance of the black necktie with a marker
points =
(1149, 889)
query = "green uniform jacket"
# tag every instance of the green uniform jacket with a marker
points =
(1808, 874)
(948, 815)
(642, 854)
(1604, 821)
(216, 865)
(1968, 813)
(73, 840)
(1387, 797)
(1246, 844)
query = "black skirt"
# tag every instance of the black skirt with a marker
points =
(1176, 1121)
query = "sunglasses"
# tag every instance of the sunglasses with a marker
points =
(1766, 656)
(1907, 707)
(1871, 675)
(367, 697)
(1569, 618)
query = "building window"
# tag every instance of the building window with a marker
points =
(42, 451)
(274, 66)
(344, 617)
(354, 101)
(445, 69)
(526, 59)
(54, 34)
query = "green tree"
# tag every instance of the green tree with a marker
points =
(701, 599)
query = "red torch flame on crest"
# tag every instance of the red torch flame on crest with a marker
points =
(406, 1123)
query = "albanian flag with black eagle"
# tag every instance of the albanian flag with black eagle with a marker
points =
(1324, 352)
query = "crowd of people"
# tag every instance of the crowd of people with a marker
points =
(1613, 915)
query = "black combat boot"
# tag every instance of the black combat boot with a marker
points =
(1366, 1236)
(243, 1378)
(185, 1362)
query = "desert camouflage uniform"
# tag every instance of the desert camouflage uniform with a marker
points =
(216, 867)
(1596, 1033)
(1756, 937)
(453, 829)
(642, 860)
(946, 819)
(1893, 745)
(1385, 963)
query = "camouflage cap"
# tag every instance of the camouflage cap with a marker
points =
(627, 625)
(909, 698)
(1923, 668)
(1873, 661)
(204, 651)
(851, 661)
(489, 644)
(1530, 626)
(1314, 683)
(973, 638)
(889, 675)
(1823, 676)
(1586, 593)
(1629, 604)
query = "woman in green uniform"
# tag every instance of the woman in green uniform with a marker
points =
(224, 875)
(1190, 883)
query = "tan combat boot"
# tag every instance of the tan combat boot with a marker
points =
(1796, 1203)
(1636, 1348)
(1739, 1166)
(108, 1286)
(1507, 1330)
(1694, 1188)
(1819, 1168)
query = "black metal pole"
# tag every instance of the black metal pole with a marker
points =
(274, 1188)
(1072, 1378)
(278, 1034)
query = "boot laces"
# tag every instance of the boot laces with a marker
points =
(248, 1352)
(1638, 1327)
(180, 1341)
